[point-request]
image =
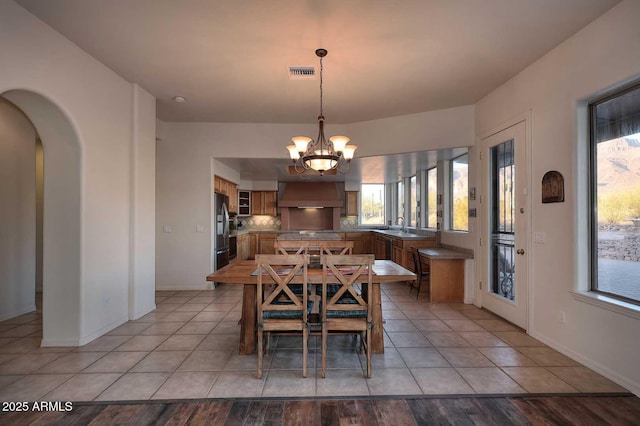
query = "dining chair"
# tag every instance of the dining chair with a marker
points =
(421, 270)
(332, 248)
(346, 310)
(291, 247)
(281, 309)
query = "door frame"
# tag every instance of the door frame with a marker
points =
(482, 266)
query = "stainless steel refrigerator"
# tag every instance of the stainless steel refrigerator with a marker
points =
(222, 230)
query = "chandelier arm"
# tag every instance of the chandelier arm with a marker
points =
(320, 154)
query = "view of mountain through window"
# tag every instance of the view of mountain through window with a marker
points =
(616, 191)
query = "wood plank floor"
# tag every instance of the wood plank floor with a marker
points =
(517, 410)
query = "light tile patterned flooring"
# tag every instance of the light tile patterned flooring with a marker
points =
(188, 348)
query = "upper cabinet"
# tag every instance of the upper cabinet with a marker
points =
(244, 203)
(351, 203)
(228, 188)
(264, 203)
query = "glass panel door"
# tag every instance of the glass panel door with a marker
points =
(505, 224)
(502, 244)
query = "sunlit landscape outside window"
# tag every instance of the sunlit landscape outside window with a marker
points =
(432, 196)
(400, 203)
(372, 204)
(616, 191)
(460, 193)
(413, 214)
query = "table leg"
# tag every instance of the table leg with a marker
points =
(248, 322)
(377, 331)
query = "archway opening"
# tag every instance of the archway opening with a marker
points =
(61, 221)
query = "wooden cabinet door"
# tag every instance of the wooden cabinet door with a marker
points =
(233, 198)
(253, 245)
(270, 203)
(266, 242)
(257, 202)
(264, 203)
(351, 201)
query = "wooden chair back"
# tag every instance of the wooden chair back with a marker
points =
(281, 309)
(291, 247)
(346, 309)
(336, 247)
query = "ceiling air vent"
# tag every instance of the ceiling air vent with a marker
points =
(302, 73)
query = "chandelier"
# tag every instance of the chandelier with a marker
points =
(321, 155)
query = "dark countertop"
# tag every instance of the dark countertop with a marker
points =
(444, 254)
(318, 234)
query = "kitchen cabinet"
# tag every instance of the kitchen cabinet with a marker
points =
(264, 203)
(351, 203)
(228, 188)
(244, 203)
(380, 246)
(361, 241)
(243, 247)
(266, 240)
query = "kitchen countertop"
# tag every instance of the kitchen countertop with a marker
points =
(444, 254)
(322, 234)
(310, 236)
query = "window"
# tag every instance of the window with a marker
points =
(413, 202)
(372, 204)
(459, 187)
(432, 197)
(615, 190)
(400, 202)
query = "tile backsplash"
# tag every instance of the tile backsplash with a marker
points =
(269, 223)
(260, 223)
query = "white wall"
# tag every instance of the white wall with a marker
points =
(18, 212)
(142, 283)
(604, 54)
(85, 115)
(185, 173)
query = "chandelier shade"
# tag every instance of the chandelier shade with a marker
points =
(321, 154)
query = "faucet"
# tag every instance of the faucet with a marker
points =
(400, 221)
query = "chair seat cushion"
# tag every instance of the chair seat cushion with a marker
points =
(297, 314)
(345, 300)
(297, 289)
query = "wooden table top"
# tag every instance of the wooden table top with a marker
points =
(242, 273)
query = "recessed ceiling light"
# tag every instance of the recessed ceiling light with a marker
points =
(179, 99)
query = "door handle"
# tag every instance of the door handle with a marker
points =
(520, 251)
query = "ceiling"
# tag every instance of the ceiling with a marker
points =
(230, 59)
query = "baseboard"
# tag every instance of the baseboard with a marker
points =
(45, 343)
(101, 332)
(142, 312)
(20, 311)
(176, 287)
(633, 387)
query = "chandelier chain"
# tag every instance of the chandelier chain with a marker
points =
(321, 109)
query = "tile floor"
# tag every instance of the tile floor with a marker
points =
(188, 348)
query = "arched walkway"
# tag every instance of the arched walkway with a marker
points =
(62, 231)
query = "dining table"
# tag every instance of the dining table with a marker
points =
(243, 273)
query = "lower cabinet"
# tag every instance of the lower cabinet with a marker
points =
(243, 247)
(266, 242)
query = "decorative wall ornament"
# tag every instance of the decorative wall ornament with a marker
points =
(552, 187)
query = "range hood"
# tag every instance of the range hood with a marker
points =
(310, 194)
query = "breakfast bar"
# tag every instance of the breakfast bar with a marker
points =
(446, 273)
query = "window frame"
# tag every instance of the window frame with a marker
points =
(592, 198)
(451, 188)
(426, 205)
